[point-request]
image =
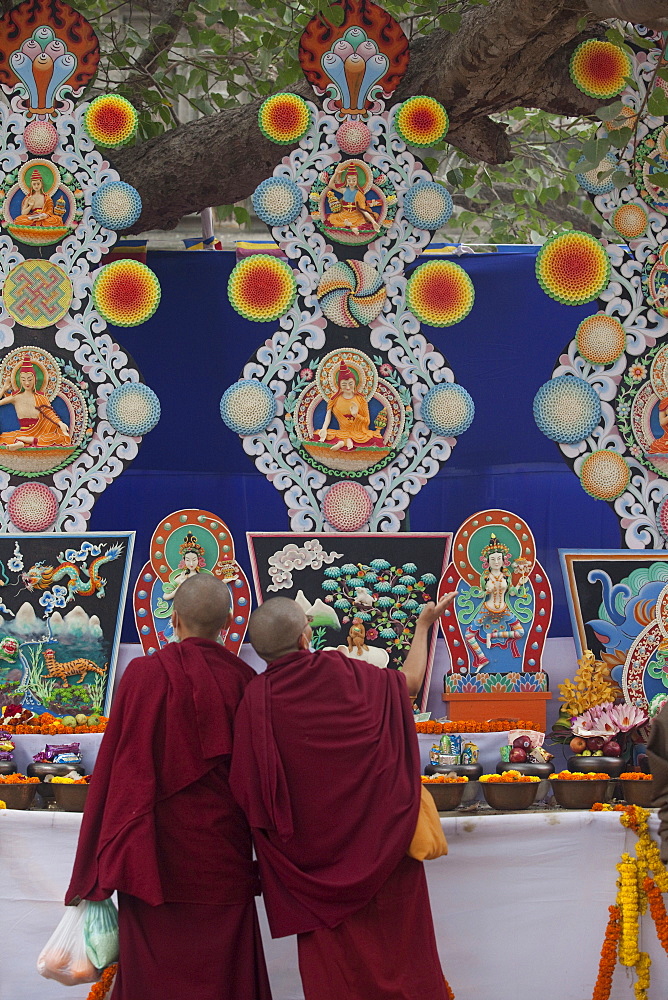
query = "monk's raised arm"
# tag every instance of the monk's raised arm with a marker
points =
(415, 663)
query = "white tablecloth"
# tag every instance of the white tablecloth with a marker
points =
(520, 906)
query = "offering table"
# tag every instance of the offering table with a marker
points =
(520, 905)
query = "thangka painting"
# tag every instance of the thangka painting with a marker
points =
(361, 592)
(73, 408)
(618, 601)
(61, 608)
(184, 544)
(606, 404)
(346, 407)
(496, 628)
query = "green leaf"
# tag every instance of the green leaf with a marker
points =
(608, 112)
(241, 215)
(230, 18)
(659, 178)
(334, 14)
(620, 137)
(450, 21)
(431, 163)
(657, 103)
(615, 36)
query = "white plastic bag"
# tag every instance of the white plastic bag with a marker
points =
(64, 956)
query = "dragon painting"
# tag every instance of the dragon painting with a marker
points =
(41, 576)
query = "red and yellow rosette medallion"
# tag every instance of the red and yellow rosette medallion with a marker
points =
(110, 121)
(440, 293)
(573, 268)
(284, 118)
(599, 69)
(262, 288)
(126, 292)
(421, 121)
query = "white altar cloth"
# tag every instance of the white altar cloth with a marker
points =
(520, 906)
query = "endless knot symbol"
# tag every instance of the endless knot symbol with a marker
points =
(37, 293)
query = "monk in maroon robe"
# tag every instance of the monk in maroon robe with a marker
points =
(161, 826)
(326, 766)
(657, 751)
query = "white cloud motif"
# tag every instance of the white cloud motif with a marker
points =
(295, 557)
(15, 564)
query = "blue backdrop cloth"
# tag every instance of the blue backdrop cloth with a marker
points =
(196, 345)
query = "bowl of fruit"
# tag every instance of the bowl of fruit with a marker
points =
(596, 754)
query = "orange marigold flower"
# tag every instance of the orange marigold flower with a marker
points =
(104, 984)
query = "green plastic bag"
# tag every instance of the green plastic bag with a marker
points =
(101, 933)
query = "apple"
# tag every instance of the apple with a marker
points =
(522, 743)
(517, 755)
(612, 749)
(577, 744)
(596, 743)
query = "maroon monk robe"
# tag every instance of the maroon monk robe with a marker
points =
(326, 767)
(161, 827)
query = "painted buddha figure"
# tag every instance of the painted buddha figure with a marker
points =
(191, 563)
(495, 621)
(348, 205)
(660, 446)
(40, 425)
(37, 207)
(351, 412)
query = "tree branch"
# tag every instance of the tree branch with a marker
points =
(505, 54)
(651, 13)
(160, 39)
(559, 209)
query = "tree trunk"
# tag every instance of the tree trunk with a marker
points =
(504, 55)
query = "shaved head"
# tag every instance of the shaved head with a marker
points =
(203, 605)
(275, 627)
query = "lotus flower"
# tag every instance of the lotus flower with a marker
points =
(608, 720)
(627, 717)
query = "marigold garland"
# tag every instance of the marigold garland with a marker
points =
(628, 902)
(17, 779)
(471, 726)
(657, 908)
(636, 891)
(103, 985)
(608, 960)
(641, 985)
(48, 725)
